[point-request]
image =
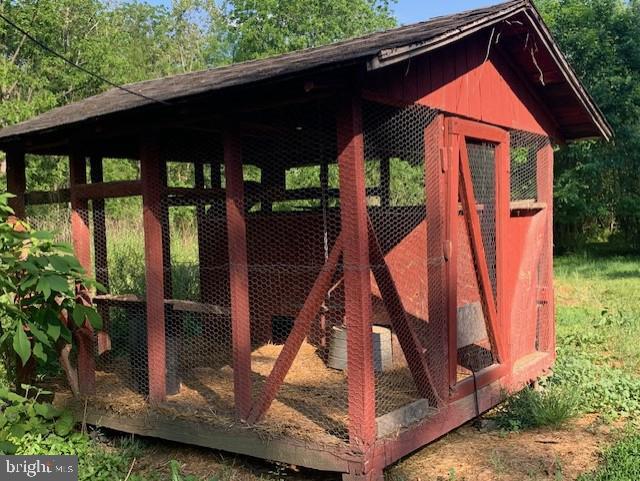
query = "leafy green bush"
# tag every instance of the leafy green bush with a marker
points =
(41, 304)
(24, 420)
(531, 409)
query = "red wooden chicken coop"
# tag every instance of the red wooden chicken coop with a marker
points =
(359, 258)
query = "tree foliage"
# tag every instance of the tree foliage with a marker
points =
(598, 184)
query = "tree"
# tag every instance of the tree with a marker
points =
(597, 184)
(260, 28)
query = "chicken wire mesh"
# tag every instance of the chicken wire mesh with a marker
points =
(525, 162)
(474, 350)
(405, 339)
(292, 215)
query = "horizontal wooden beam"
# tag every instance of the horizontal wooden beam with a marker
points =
(106, 190)
(39, 197)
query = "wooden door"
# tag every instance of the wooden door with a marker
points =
(477, 213)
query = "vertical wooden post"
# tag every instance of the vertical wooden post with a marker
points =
(16, 181)
(238, 273)
(544, 175)
(436, 199)
(100, 251)
(503, 213)
(82, 248)
(452, 163)
(152, 193)
(357, 282)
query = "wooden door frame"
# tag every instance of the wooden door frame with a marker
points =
(457, 131)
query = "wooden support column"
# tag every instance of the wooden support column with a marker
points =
(16, 181)
(452, 163)
(357, 281)
(238, 273)
(81, 238)
(436, 197)
(100, 251)
(544, 174)
(152, 193)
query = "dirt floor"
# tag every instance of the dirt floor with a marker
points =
(471, 453)
(311, 404)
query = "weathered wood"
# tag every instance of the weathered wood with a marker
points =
(81, 238)
(238, 273)
(287, 451)
(108, 190)
(151, 173)
(436, 203)
(450, 247)
(16, 181)
(406, 416)
(100, 252)
(301, 328)
(357, 283)
(37, 197)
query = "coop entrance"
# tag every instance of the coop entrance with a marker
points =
(478, 182)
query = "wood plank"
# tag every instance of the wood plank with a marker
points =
(151, 173)
(436, 204)
(301, 328)
(16, 181)
(406, 416)
(452, 153)
(409, 342)
(477, 245)
(108, 190)
(100, 252)
(37, 197)
(307, 454)
(238, 273)
(357, 282)
(81, 239)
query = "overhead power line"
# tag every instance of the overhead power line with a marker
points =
(50, 50)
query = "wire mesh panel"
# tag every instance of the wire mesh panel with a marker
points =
(403, 338)
(474, 350)
(525, 150)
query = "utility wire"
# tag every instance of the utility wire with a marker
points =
(50, 50)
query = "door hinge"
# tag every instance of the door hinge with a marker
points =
(444, 159)
(447, 248)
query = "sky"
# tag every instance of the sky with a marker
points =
(411, 11)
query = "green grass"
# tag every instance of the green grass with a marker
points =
(620, 462)
(529, 408)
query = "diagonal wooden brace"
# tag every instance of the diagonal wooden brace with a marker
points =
(409, 342)
(477, 245)
(300, 330)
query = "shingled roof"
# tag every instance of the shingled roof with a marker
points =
(374, 50)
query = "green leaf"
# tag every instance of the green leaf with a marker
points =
(21, 345)
(78, 315)
(64, 424)
(59, 284)
(8, 447)
(53, 330)
(43, 287)
(48, 411)
(59, 263)
(94, 318)
(39, 353)
(18, 430)
(38, 334)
